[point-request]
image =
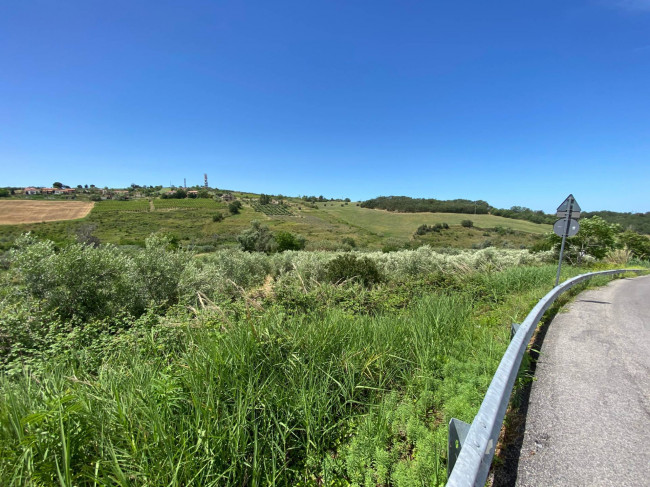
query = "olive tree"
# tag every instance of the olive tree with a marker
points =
(257, 238)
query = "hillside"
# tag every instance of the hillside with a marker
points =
(191, 223)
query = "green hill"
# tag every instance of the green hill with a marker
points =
(325, 225)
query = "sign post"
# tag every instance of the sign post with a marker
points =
(566, 226)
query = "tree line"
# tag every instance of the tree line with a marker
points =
(404, 204)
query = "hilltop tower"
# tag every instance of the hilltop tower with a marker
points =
(205, 179)
(185, 183)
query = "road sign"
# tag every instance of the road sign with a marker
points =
(560, 227)
(566, 226)
(564, 214)
(566, 204)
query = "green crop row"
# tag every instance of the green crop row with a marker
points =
(272, 210)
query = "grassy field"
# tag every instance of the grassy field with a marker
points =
(191, 222)
(160, 204)
(402, 225)
(130, 205)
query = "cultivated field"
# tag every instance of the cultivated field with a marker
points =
(22, 211)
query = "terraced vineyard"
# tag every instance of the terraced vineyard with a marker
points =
(128, 205)
(161, 204)
(272, 210)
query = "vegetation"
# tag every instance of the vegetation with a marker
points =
(523, 213)
(178, 194)
(129, 205)
(257, 238)
(185, 203)
(186, 363)
(348, 267)
(636, 222)
(438, 227)
(289, 241)
(271, 209)
(596, 238)
(153, 366)
(637, 245)
(418, 205)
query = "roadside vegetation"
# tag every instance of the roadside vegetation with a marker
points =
(152, 366)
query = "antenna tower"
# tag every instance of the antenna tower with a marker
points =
(205, 179)
(185, 183)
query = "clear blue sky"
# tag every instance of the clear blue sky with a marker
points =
(512, 102)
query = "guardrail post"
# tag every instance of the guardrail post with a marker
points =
(514, 328)
(457, 433)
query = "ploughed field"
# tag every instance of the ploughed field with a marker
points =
(25, 211)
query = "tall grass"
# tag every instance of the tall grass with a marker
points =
(266, 398)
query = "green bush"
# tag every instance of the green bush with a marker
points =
(257, 238)
(467, 223)
(350, 267)
(80, 281)
(218, 217)
(349, 241)
(289, 241)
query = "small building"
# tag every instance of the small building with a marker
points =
(227, 197)
(69, 191)
(31, 190)
(192, 192)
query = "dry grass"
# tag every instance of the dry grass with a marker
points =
(22, 211)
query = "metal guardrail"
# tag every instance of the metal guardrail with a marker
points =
(471, 447)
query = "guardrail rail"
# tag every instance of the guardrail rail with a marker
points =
(471, 447)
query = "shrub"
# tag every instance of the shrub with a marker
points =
(349, 241)
(467, 223)
(218, 217)
(289, 241)
(257, 238)
(77, 281)
(351, 267)
(234, 207)
(80, 281)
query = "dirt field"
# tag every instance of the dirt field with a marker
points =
(23, 211)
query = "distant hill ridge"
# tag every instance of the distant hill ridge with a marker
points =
(638, 222)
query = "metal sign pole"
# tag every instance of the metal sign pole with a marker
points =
(564, 236)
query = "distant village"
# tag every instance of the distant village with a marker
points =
(133, 192)
(107, 193)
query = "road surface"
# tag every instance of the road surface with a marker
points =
(588, 420)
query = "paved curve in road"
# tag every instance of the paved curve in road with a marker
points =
(588, 420)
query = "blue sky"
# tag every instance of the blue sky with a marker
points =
(515, 103)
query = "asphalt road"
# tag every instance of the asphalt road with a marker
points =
(588, 420)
